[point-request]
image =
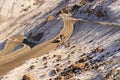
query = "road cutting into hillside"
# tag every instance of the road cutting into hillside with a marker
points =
(11, 43)
(16, 58)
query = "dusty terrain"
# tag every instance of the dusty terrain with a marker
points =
(14, 59)
(89, 52)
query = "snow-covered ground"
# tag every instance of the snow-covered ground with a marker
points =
(32, 22)
(29, 21)
(94, 47)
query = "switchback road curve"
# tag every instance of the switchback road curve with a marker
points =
(14, 59)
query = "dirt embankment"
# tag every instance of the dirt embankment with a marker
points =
(18, 57)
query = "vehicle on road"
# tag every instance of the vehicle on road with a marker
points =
(58, 39)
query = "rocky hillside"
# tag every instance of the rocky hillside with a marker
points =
(25, 17)
(92, 52)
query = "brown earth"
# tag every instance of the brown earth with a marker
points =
(11, 60)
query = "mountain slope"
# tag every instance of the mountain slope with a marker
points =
(92, 53)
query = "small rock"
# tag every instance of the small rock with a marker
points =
(51, 79)
(72, 47)
(27, 77)
(50, 18)
(44, 58)
(76, 70)
(1, 78)
(60, 78)
(98, 49)
(58, 69)
(79, 65)
(52, 73)
(87, 66)
(57, 65)
(67, 45)
(45, 66)
(83, 59)
(59, 58)
(72, 52)
(54, 55)
(32, 67)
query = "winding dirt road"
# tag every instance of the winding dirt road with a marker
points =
(9, 60)
(11, 43)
